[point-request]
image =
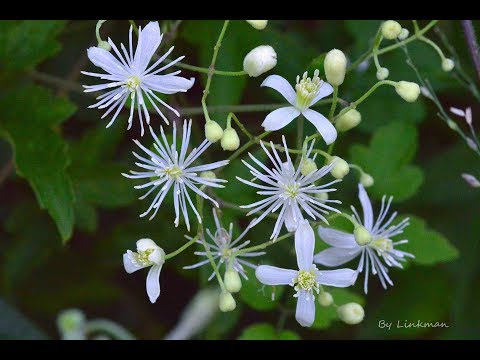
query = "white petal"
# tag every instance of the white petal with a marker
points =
(282, 86)
(153, 282)
(336, 256)
(104, 59)
(305, 314)
(129, 266)
(148, 42)
(337, 278)
(291, 222)
(367, 207)
(168, 84)
(458, 112)
(279, 118)
(325, 90)
(145, 244)
(272, 275)
(304, 245)
(337, 238)
(323, 125)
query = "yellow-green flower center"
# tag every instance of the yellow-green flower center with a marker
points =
(291, 190)
(382, 245)
(132, 83)
(307, 89)
(173, 172)
(142, 257)
(306, 280)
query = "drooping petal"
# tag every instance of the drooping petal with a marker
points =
(282, 86)
(304, 245)
(153, 283)
(337, 238)
(168, 84)
(337, 278)
(272, 275)
(323, 125)
(325, 90)
(148, 42)
(336, 256)
(305, 313)
(104, 59)
(279, 118)
(367, 207)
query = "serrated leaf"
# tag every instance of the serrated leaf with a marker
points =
(15, 326)
(30, 115)
(263, 331)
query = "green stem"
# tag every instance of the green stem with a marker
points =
(135, 27)
(247, 145)
(208, 71)
(182, 248)
(103, 325)
(97, 30)
(433, 45)
(239, 124)
(334, 103)
(264, 245)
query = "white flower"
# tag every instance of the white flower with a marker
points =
(308, 92)
(345, 248)
(287, 188)
(130, 76)
(308, 278)
(168, 167)
(148, 254)
(223, 247)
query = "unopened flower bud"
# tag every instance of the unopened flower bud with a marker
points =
(403, 34)
(258, 24)
(351, 313)
(391, 29)
(71, 323)
(382, 73)
(208, 174)
(340, 169)
(335, 65)
(260, 60)
(447, 64)
(226, 302)
(104, 45)
(366, 180)
(232, 281)
(323, 196)
(362, 235)
(230, 140)
(409, 91)
(213, 131)
(348, 120)
(325, 299)
(308, 166)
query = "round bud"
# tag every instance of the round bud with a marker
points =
(258, 24)
(71, 321)
(409, 91)
(340, 169)
(325, 299)
(232, 281)
(208, 174)
(362, 235)
(366, 180)
(335, 65)
(447, 64)
(323, 196)
(230, 140)
(308, 166)
(226, 302)
(213, 131)
(403, 34)
(382, 73)
(348, 120)
(104, 45)
(391, 29)
(351, 313)
(259, 60)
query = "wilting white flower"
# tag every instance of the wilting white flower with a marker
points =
(148, 254)
(306, 94)
(345, 247)
(130, 76)
(223, 248)
(307, 278)
(287, 188)
(168, 167)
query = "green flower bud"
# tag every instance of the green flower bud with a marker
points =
(409, 91)
(335, 65)
(308, 166)
(258, 24)
(382, 73)
(232, 281)
(366, 180)
(260, 60)
(323, 196)
(213, 131)
(348, 120)
(226, 302)
(447, 64)
(391, 29)
(403, 34)
(71, 323)
(104, 45)
(325, 299)
(340, 169)
(208, 175)
(351, 313)
(362, 235)
(230, 140)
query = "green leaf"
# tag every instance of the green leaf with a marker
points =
(15, 326)
(428, 246)
(263, 331)
(388, 158)
(26, 43)
(257, 295)
(30, 119)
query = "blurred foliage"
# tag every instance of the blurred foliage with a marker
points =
(67, 214)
